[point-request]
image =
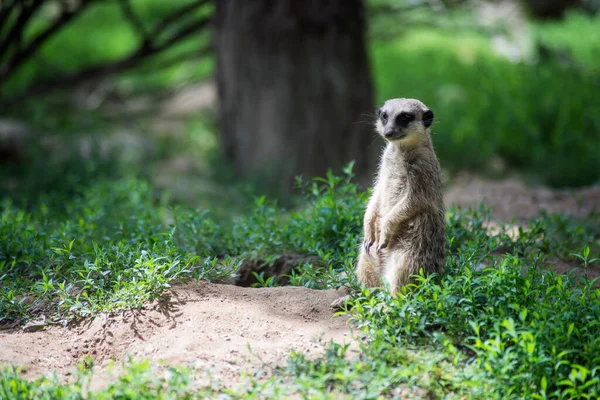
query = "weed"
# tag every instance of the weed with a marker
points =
(495, 325)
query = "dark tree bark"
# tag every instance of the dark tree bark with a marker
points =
(294, 86)
(551, 9)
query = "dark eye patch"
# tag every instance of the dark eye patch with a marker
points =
(384, 116)
(404, 118)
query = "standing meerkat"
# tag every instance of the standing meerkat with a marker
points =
(404, 227)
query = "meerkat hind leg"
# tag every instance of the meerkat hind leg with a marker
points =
(368, 269)
(368, 273)
(396, 271)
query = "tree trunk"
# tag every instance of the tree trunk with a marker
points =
(551, 9)
(294, 86)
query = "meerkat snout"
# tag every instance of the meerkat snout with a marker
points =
(401, 119)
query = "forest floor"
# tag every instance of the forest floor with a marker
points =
(225, 330)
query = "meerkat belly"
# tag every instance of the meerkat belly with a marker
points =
(411, 233)
(422, 241)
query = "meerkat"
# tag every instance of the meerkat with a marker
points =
(404, 228)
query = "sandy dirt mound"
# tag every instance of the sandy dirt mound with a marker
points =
(208, 326)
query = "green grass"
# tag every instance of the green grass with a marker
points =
(139, 381)
(510, 330)
(116, 250)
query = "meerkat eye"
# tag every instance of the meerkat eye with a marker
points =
(384, 117)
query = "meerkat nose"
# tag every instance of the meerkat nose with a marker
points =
(389, 133)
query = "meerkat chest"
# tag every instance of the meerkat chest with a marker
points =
(392, 180)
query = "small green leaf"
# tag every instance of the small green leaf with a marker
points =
(586, 251)
(570, 329)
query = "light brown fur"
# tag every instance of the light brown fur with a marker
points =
(404, 221)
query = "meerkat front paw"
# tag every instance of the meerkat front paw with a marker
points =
(368, 241)
(384, 238)
(382, 245)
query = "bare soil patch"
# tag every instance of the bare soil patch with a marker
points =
(220, 329)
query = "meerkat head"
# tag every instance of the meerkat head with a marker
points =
(405, 122)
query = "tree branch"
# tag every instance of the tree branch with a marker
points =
(183, 33)
(14, 34)
(176, 16)
(134, 58)
(187, 56)
(23, 55)
(149, 44)
(136, 22)
(5, 10)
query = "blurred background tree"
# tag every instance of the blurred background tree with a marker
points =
(293, 81)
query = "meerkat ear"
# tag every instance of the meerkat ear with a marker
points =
(378, 113)
(428, 118)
